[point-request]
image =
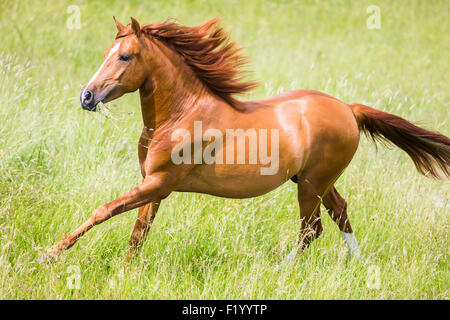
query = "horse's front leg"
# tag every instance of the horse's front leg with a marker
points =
(145, 218)
(152, 189)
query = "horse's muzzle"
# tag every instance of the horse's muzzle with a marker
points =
(87, 100)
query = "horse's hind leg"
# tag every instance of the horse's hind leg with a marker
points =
(309, 199)
(310, 193)
(337, 208)
(143, 223)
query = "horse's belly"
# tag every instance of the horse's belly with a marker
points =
(232, 181)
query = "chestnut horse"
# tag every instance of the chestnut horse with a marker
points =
(189, 74)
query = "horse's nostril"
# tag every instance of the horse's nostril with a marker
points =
(87, 97)
(87, 100)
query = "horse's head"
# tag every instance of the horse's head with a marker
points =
(122, 71)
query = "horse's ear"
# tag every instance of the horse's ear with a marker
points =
(136, 27)
(119, 26)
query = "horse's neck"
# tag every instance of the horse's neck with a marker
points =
(172, 91)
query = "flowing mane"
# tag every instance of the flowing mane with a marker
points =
(209, 52)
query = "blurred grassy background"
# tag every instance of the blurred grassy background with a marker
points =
(58, 163)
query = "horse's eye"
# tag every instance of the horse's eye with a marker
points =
(124, 57)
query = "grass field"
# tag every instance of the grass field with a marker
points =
(58, 162)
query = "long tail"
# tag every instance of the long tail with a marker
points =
(430, 151)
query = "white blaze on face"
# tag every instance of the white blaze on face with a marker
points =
(111, 52)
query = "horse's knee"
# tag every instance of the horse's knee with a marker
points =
(99, 215)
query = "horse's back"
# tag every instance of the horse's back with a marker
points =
(286, 96)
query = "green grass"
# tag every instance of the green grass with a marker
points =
(58, 163)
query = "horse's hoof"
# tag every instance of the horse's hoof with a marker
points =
(43, 259)
(50, 255)
(290, 258)
(354, 255)
(46, 258)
